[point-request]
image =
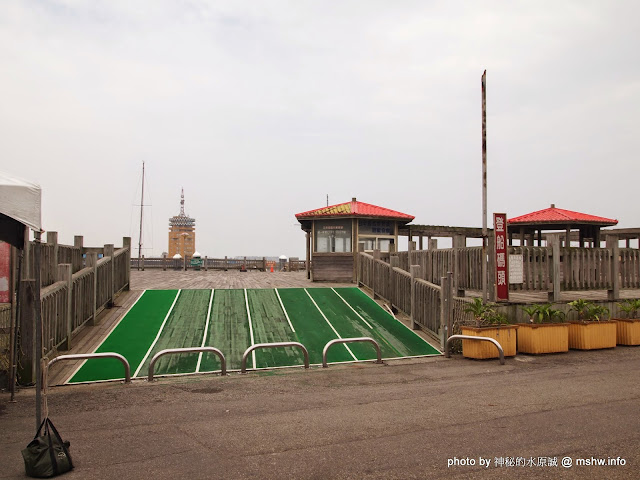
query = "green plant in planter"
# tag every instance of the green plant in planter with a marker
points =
(582, 307)
(630, 307)
(532, 312)
(482, 313)
(596, 313)
(548, 314)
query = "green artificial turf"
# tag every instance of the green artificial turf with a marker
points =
(184, 328)
(270, 325)
(312, 329)
(131, 338)
(400, 338)
(228, 330)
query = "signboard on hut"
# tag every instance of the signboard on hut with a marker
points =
(502, 258)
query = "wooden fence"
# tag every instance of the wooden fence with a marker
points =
(573, 268)
(261, 264)
(72, 295)
(430, 306)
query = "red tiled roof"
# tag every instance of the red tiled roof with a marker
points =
(354, 209)
(555, 215)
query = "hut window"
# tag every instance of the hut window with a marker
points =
(333, 236)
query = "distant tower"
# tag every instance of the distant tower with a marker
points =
(182, 233)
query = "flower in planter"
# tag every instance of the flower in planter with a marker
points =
(532, 312)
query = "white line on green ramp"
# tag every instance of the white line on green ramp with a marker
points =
(153, 344)
(354, 311)
(253, 353)
(285, 311)
(206, 330)
(334, 330)
(105, 337)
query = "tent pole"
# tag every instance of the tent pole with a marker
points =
(38, 312)
(14, 330)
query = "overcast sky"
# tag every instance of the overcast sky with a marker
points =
(260, 109)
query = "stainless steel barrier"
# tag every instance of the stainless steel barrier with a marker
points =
(350, 340)
(81, 356)
(243, 368)
(223, 361)
(472, 337)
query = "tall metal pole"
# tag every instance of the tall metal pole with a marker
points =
(141, 210)
(484, 187)
(38, 322)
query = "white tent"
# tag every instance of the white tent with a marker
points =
(19, 206)
(19, 210)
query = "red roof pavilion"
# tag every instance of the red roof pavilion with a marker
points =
(553, 218)
(354, 209)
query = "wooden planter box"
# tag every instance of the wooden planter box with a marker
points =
(504, 334)
(592, 335)
(543, 337)
(627, 331)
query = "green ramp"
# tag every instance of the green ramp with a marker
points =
(349, 325)
(131, 338)
(402, 339)
(312, 329)
(228, 330)
(270, 325)
(184, 328)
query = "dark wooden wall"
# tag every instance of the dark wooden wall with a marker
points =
(332, 267)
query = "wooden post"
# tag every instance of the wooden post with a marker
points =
(376, 256)
(446, 308)
(52, 239)
(394, 262)
(226, 263)
(92, 262)
(411, 246)
(126, 243)
(65, 275)
(141, 262)
(38, 324)
(415, 274)
(26, 361)
(308, 257)
(108, 252)
(184, 263)
(206, 261)
(554, 295)
(433, 244)
(78, 241)
(613, 294)
(264, 264)
(458, 242)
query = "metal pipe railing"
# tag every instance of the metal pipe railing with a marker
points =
(243, 368)
(81, 356)
(152, 363)
(350, 340)
(472, 337)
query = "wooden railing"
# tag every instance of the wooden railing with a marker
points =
(575, 268)
(261, 264)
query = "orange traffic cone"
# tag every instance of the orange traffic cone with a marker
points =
(271, 268)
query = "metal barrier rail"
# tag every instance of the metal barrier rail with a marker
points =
(350, 340)
(243, 368)
(472, 337)
(223, 361)
(80, 356)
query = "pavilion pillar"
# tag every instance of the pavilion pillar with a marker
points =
(567, 238)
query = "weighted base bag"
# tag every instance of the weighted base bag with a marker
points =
(47, 455)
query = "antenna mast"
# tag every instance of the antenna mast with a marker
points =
(141, 210)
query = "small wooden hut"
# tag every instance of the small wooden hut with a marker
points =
(530, 226)
(334, 233)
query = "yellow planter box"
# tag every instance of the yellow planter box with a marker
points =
(628, 331)
(504, 334)
(543, 337)
(592, 335)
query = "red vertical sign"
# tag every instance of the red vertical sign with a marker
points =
(502, 267)
(5, 272)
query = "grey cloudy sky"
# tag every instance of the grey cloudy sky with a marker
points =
(261, 109)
